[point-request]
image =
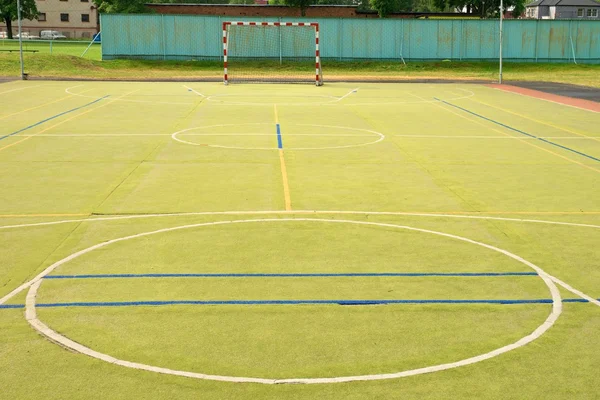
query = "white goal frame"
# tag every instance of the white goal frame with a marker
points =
(314, 25)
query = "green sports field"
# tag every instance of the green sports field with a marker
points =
(353, 241)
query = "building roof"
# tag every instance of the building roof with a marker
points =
(568, 3)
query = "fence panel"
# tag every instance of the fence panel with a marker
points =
(200, 37)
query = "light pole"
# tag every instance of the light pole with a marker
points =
(501, 18)
(20, 39)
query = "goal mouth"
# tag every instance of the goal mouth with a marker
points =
(271, 52)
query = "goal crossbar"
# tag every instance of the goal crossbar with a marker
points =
(226, 43)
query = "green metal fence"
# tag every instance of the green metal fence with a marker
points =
(186, 37)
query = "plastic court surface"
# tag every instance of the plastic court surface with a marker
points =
(351, 241)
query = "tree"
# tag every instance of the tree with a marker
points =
(121, 6)
(383, 7)
(301, 4)
(386, 7)
(483, 8)
(8, 12)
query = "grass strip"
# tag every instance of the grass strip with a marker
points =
(71, 67)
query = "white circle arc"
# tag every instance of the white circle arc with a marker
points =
(31, 313)
(378, 137)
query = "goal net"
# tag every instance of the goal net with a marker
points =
(271, 52)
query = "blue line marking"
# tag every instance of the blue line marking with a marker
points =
(288, 302)
(521, 132)
(298, 275)
(279, 141)
(297, 302)
(12, 306)
(51, 118)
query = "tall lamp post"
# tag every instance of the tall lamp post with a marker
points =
(23, 76)
(501, 18)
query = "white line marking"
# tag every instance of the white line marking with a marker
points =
(575, 291)
(334, 102)
(68, 90)
(186, 134)
(313, 212)
(378, 135)
(31, 314)
(422, 101)
(348, 94)
(192, 90)
(17, 89)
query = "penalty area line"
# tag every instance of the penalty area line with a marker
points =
(347, 94)
(194, 91)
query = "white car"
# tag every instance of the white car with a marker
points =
(3, 35)
(27, 36)
(52, 35)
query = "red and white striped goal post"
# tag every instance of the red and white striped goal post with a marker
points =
(315, 25)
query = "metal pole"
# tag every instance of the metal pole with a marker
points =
(501, 18)
(20, 40)
(90, 45)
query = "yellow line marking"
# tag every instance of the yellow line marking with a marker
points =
(286, 186)
(40, 106)
(17, 89)
(284, 176)
(536, 120)
(42, 215)
(522, 140)
(67, 120)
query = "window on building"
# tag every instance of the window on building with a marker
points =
(589, 12)
(64, 17)
(595, 12)
(41, 17)
(85, 17)
(580, 12)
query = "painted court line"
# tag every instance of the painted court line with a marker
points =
(295, 275)
(43, 215)
(582, 135)
(121, 98)
(348, 94)
(194, 91)
(51, 118)
(17, 89)
(290, 302)
(36, 107)
(529, 143)
(522, 132)
(302, 212)
(39, 326)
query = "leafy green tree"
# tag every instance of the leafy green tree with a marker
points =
(383, 7)
(121, 6)
(8, 12)
(301, 4)
(483, 8)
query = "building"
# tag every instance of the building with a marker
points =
(563, 9)
(73, 18)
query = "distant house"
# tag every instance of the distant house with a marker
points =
(563, 9)
(74, 19)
